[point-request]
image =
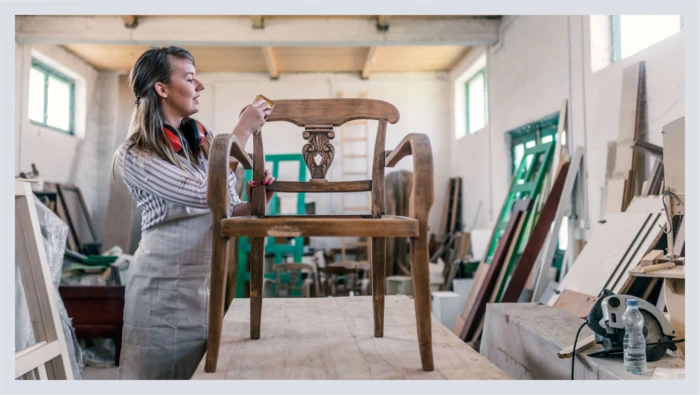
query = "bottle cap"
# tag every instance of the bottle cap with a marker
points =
(631, 302)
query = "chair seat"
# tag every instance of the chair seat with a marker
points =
(328, 226)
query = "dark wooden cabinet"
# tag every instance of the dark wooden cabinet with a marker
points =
(96, 311)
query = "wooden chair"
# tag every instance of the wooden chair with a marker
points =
(318, 117)
(294, 270)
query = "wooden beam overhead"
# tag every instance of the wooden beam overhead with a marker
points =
(369, 61)
(130, 21)
(383, 23)
(236, 31)
(271, 62)
(258, 22)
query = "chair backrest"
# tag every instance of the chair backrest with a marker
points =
(318, 117)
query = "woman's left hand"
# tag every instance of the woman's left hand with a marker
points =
(267, 180)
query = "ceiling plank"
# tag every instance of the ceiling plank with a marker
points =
(369, 61)
(271, 63)
(218, 31)
(258, 22)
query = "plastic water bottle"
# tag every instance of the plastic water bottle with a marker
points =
(635, 346)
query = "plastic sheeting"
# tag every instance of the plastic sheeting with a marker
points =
(54, 232)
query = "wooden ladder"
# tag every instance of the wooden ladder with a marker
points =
(350, 174)
(48, 358)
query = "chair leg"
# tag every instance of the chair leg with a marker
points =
(217, 296)
(420, 271)
(257, 259)
(378, 269)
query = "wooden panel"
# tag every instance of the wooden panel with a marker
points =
(417, 58)
(605, 249)
(333, 339)
(615, 195)
(674, 292)
(674, 272)
(652, 258)
(645, 204)
(317, 187)
(674, 155)
(387, 226)
(630, 101)
(575, 303)
(650, 237)
(207, 59)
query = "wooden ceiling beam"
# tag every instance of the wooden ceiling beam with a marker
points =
(237, 31)
(258, 22)
(369, 61)
(130, 21)
(271, 62)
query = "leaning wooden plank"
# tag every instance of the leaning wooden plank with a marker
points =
(606, 247)
(36, 279)
(652, 258)
(674, 272)
(674, 155)
(581, 345)
(542, 269)
(630, 114)
(520, 207)
(633, 254)
(653, 235)
(655, 267)
(645, 204)
(575, 303)
(536, 239)
(333, 339)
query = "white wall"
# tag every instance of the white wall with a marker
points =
(60, 157)
(421, 99)
(528, 76)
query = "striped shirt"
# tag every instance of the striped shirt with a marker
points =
(153, 182)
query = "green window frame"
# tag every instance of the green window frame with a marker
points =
(532, 134)
(47, 72)
(541, 131)
(481, 73)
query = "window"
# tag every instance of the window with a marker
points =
(471, 98)
(51, 98)
(476, 101)
(633, 33)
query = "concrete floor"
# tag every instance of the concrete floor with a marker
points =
(90, 373)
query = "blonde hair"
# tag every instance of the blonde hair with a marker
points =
(146, 130)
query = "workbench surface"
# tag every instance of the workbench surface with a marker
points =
(333, 338)
(523, 339)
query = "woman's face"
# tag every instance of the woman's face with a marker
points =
(182, 93)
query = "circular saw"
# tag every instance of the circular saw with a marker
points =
(605, 319)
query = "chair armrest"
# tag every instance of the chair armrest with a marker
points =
(422, 195)
(223, 147)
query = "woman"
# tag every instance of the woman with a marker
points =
(164, 164)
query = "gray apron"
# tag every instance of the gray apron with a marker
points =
(167, 298)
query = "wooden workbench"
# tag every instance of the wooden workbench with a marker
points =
(523, 339)
(333, 338)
